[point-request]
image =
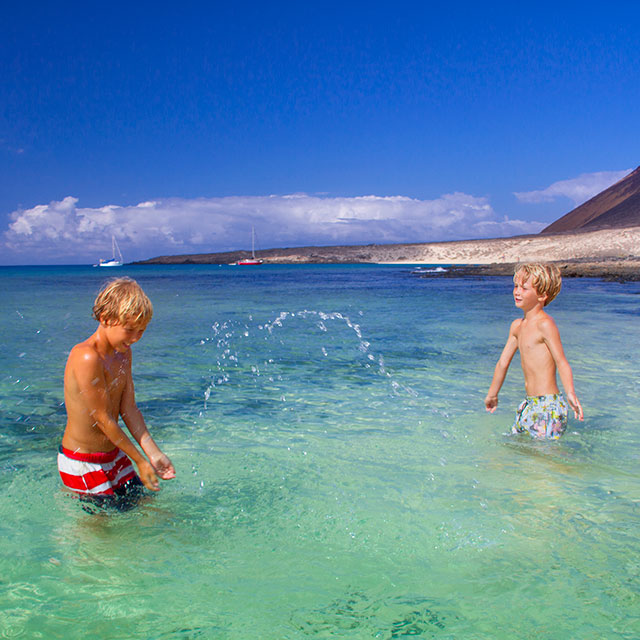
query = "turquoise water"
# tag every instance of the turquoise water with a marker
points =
(338, 476)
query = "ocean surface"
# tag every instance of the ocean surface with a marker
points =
(337, 474)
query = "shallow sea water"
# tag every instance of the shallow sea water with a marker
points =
(338, 476)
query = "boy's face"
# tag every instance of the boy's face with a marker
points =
(122, 335)
(524, 293)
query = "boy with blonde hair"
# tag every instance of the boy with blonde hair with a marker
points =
(543, 414)
(95, 457)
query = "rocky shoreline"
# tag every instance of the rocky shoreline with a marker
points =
(612, 270)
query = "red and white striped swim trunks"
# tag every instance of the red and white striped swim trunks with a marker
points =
(95, 473)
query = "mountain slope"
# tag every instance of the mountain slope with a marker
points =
(615, 207)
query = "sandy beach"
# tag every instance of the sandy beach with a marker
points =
(613, 253)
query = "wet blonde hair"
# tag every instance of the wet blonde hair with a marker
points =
(545, 278)
(122, 301)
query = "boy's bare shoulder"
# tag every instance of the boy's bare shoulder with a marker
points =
(545, 323)
(84, 354)
(515, 326)
(83, 349)
(543, 318)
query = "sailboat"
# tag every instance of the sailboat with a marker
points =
(116, 259)
(252, 261)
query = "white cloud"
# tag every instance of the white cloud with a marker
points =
(62, 231)
(579, 189)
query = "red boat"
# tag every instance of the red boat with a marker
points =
(249, 262)
(252, 261)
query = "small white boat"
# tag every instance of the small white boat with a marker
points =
(116, 259)
(419, 270)
(252, 261)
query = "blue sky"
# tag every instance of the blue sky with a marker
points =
(178, 127)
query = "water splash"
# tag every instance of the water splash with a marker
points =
(240, 347)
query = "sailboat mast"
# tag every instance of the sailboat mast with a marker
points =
(115, 250)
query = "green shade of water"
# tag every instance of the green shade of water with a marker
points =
(337, 474)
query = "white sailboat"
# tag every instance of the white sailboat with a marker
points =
(116, 259)
(252, 261)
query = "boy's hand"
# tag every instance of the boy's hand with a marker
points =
(574, 403)
(148, 476)
(163, 467)
(491, 403)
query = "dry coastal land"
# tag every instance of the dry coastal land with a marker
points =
(609, 253)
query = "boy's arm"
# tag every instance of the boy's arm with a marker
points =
(500, 372)
(551, 337)
(92, 386)
(134, 420)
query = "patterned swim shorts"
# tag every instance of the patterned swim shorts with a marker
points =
(102, 481)
(542, 416)
(98, 474)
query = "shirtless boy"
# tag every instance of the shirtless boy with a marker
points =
(543, 414)
(96, 454)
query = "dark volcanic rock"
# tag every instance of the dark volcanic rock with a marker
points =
(623, 270)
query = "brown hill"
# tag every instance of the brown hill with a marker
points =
(615, 207)
(599, 245)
